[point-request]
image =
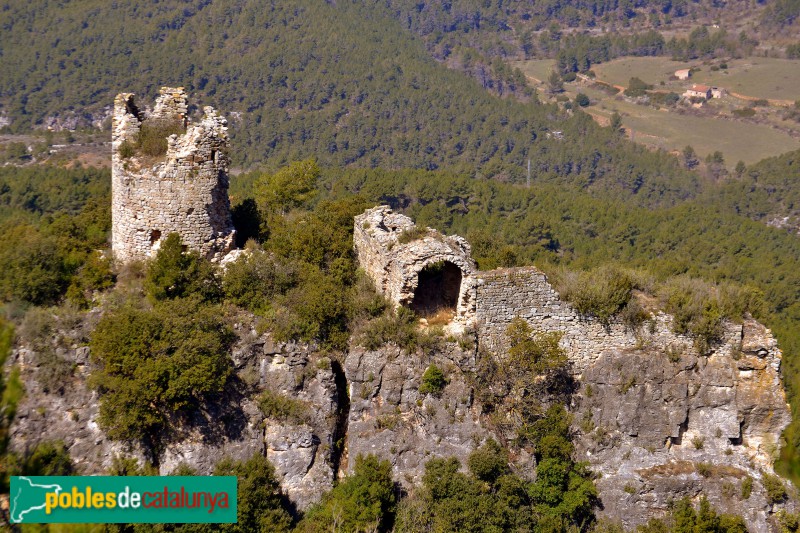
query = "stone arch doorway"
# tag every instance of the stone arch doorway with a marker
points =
(438, 288)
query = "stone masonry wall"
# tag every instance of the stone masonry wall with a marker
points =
(503, 294)
(735, 389)
(394, 267)
(185, 192)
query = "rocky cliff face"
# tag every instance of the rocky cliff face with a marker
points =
(303, 453)
(389, 417)
(655, 421)
(659, 424)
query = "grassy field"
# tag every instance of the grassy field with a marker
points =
(737, 140)
(671, 131)
(653, 70)
(536, 68)
(758, 77)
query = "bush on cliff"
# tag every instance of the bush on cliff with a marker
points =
(684, 518)
(363, 501)
(699, 307)
(154, 364)
(177, 273)
(601, 292)
(433, 381)
(492, 498)
(488, 498)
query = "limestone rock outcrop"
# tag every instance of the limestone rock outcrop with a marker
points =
(389, 417)
(655, 417)
(660, 424)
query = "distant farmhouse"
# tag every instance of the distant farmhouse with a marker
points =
(698, 91)
(717, 92)
(683, 74)
(704, 91)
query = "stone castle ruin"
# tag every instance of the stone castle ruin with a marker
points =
(415, 267)
(742, 372)
(182, 190)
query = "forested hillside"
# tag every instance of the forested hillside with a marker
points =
(343, 83)
(768, 191)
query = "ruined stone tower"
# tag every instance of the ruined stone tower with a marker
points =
(184, 190)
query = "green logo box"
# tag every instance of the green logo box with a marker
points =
(123, 500)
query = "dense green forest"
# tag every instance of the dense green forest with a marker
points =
(302, 80)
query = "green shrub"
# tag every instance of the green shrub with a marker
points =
(126, 149)
(261, 506)
(153, 135)
(411, 235)
(637, 87)
(153, 364)
(536, 352)
(399, 327)
(363, 501)
(53, 372)
(699, 307)
(704, 469)
(47, 458)
(745, 112)
(602, 292)
(582, 100)
(176, 273)
(684, 517)
(491, 499)
(776, 490)
(283, 408)
(94, 275)
(256, 277)
(790, 522)
(129, 466)
(433, 381)
(32, 264)
(291, 187)
(746, 488)
(314, 310)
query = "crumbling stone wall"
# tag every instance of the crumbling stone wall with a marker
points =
(503, 294)
(736, 389)
(185, 192)
(650, 385)
(394, 267)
